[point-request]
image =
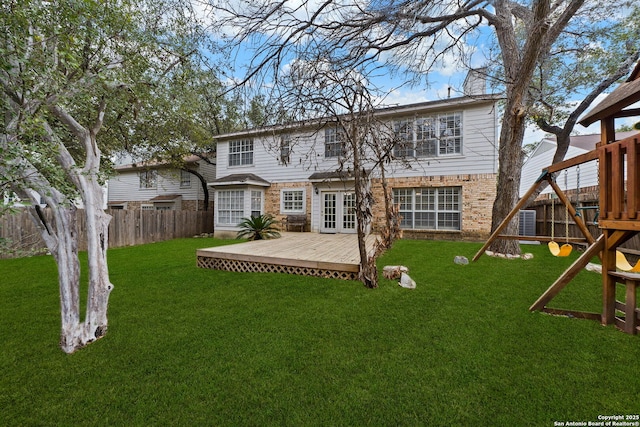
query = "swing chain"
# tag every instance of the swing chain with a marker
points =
(578, 186)
(566, 210)
(566, 224)
(553, 217)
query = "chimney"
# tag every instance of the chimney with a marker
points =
(476, 82)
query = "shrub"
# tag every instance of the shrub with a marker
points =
(258, 228)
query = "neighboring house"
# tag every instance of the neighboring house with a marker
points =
(156, 186)
(585, 176)
(448, 190)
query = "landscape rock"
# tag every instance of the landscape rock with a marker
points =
(461, 260)
(393, 272)
(406, 281)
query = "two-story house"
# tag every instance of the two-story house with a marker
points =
(443, 178)
(157, 186)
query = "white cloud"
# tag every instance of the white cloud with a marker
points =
(405, 96)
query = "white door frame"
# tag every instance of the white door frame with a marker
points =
(334, 217)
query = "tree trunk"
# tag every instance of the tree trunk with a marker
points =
(62, 241)
(368, 272)
(203, 184)
(510, 168)
(97, 243)
(66, 255)
(61, 238)
(97, 223)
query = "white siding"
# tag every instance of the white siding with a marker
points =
(479, 152)
(306, 157)
(125, 186)
(479, 149)
(541, 159)
(476, 82)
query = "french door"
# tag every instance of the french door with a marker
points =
(338, 210)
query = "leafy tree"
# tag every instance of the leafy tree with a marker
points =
(80, 81)
(590, 69)
(625, 128)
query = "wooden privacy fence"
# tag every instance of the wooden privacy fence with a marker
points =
(127, 228)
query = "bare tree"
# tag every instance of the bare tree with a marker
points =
(413, 38)
(320, 90)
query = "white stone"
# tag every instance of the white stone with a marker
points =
(406, 281)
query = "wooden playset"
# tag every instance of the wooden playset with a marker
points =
(619, 213)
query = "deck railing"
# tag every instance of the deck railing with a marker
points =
(619, 161)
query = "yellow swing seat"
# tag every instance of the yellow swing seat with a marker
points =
(624, 265)
(561, 251)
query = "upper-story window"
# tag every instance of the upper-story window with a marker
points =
(450, 131)
(241, 152)
(403, 130)
(332, 142)
(149, 178)
(285, 149)
(429, 136)
(185, 179)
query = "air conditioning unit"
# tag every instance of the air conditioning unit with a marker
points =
(527, 223)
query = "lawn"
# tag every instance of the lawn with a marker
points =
(188, 346)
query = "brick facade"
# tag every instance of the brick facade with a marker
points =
(478, 194)
(272, 199)
(190, 205)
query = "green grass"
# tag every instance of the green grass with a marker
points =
(188, 346)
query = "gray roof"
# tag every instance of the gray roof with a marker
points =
(165, 198)
(332, 176)
(626, 94)
(588, 142)
(240, 178)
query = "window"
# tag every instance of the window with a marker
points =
(429, 208)
(149, 179)
(426, 137)
(185, 179)
(285, 150)
(256, 203)
(292, 201)
(241, 152)
(450, 133)
(429, 136)
(332, 142)
(403, 131)
(147, 207)
(230, 206)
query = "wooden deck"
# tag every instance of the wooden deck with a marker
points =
(309, 254)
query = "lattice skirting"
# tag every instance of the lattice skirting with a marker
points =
(260, 267)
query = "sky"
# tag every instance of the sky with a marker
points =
(447, 74)
(454, 78)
